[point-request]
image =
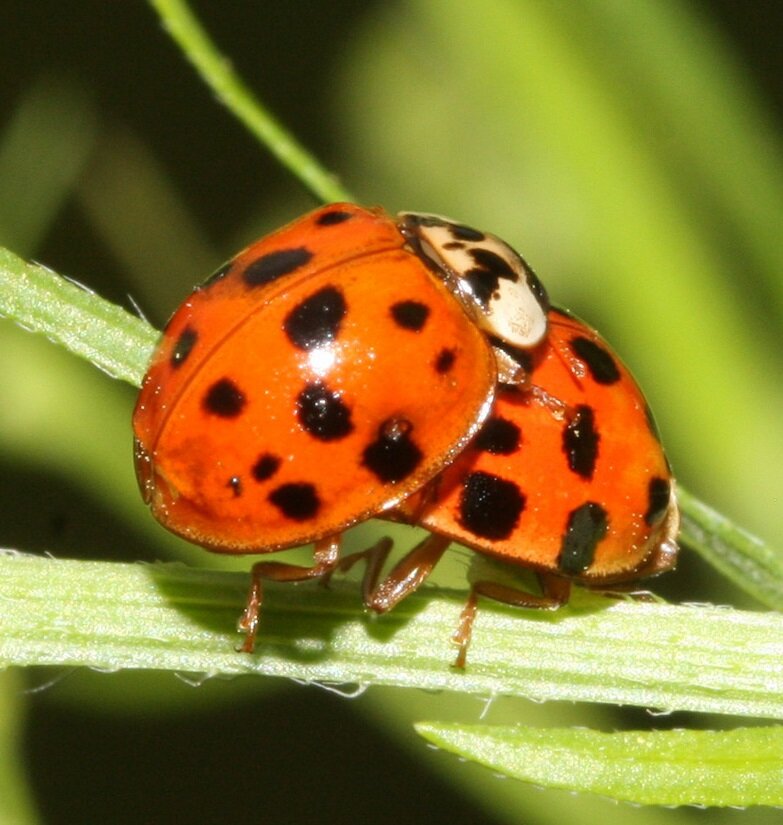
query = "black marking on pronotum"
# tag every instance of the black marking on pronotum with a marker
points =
(315, 321)
(410, 315)
(394, 455)
(224, 399)
(445, 361)
(458, 231)
(580, 442)
(598, 360)
(297, 501)
(484, 278)
(322, 413)
(521, 356)
(499, 436)
(334, 217)
(658, 497)
(465, 233)
(275, 264)
(265, 467)
(587, 526)
(490, 506)
(183, 347)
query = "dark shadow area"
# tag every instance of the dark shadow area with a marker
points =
(45, 514)
(299, 756)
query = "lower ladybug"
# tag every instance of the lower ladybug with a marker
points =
(566, 477)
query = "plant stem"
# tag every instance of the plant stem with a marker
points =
(217, 72)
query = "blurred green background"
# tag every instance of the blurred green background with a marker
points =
(630, 150)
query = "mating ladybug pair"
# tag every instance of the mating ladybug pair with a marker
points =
(352, 366)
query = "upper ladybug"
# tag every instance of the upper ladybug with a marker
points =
(324, 374)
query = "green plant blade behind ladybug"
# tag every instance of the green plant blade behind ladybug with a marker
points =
(677, 767)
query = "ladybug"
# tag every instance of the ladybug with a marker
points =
(324, 375)
(566, 477)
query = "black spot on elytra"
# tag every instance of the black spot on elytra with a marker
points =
(224, 399)
(235, 485)
(465, 233)
(218, 274)
(275, 264)
(334, 217)
(410, 315)
(598, 360)
(658, 497)
(315, 321)
(580, 442)
(499, 436)
(265, 467)
(183, 347)
(297, 501)
(445, 361)
(394, 455)
(490, 506)
(322, 413)
(587, 526)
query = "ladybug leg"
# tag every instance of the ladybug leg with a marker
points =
(629, 592)
(556, 592)
(405, 577)
(325, 558)
(374, 556)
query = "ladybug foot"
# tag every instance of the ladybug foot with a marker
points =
(248, 624)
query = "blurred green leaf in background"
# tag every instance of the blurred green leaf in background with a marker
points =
(631, 151)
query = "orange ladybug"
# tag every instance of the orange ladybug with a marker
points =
(352, 366)
(566, 477)
(322, 376)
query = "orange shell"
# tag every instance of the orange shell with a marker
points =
(583, 491)
(316, 380)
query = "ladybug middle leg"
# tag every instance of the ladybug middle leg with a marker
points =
(555, 593)
(326, 554)
(405, 577)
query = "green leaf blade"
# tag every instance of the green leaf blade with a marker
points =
(751, 564)
(170, 617)
(677, 767)
(105, 334)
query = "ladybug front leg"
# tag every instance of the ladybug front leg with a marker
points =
(405, 577)
(325, 557)
(556, 592)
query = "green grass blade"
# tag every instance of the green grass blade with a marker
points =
(750, 563)
(678, 767)
(112, 339)
(175, 252)
(218, 74)
(39, 165)
(170, 617)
